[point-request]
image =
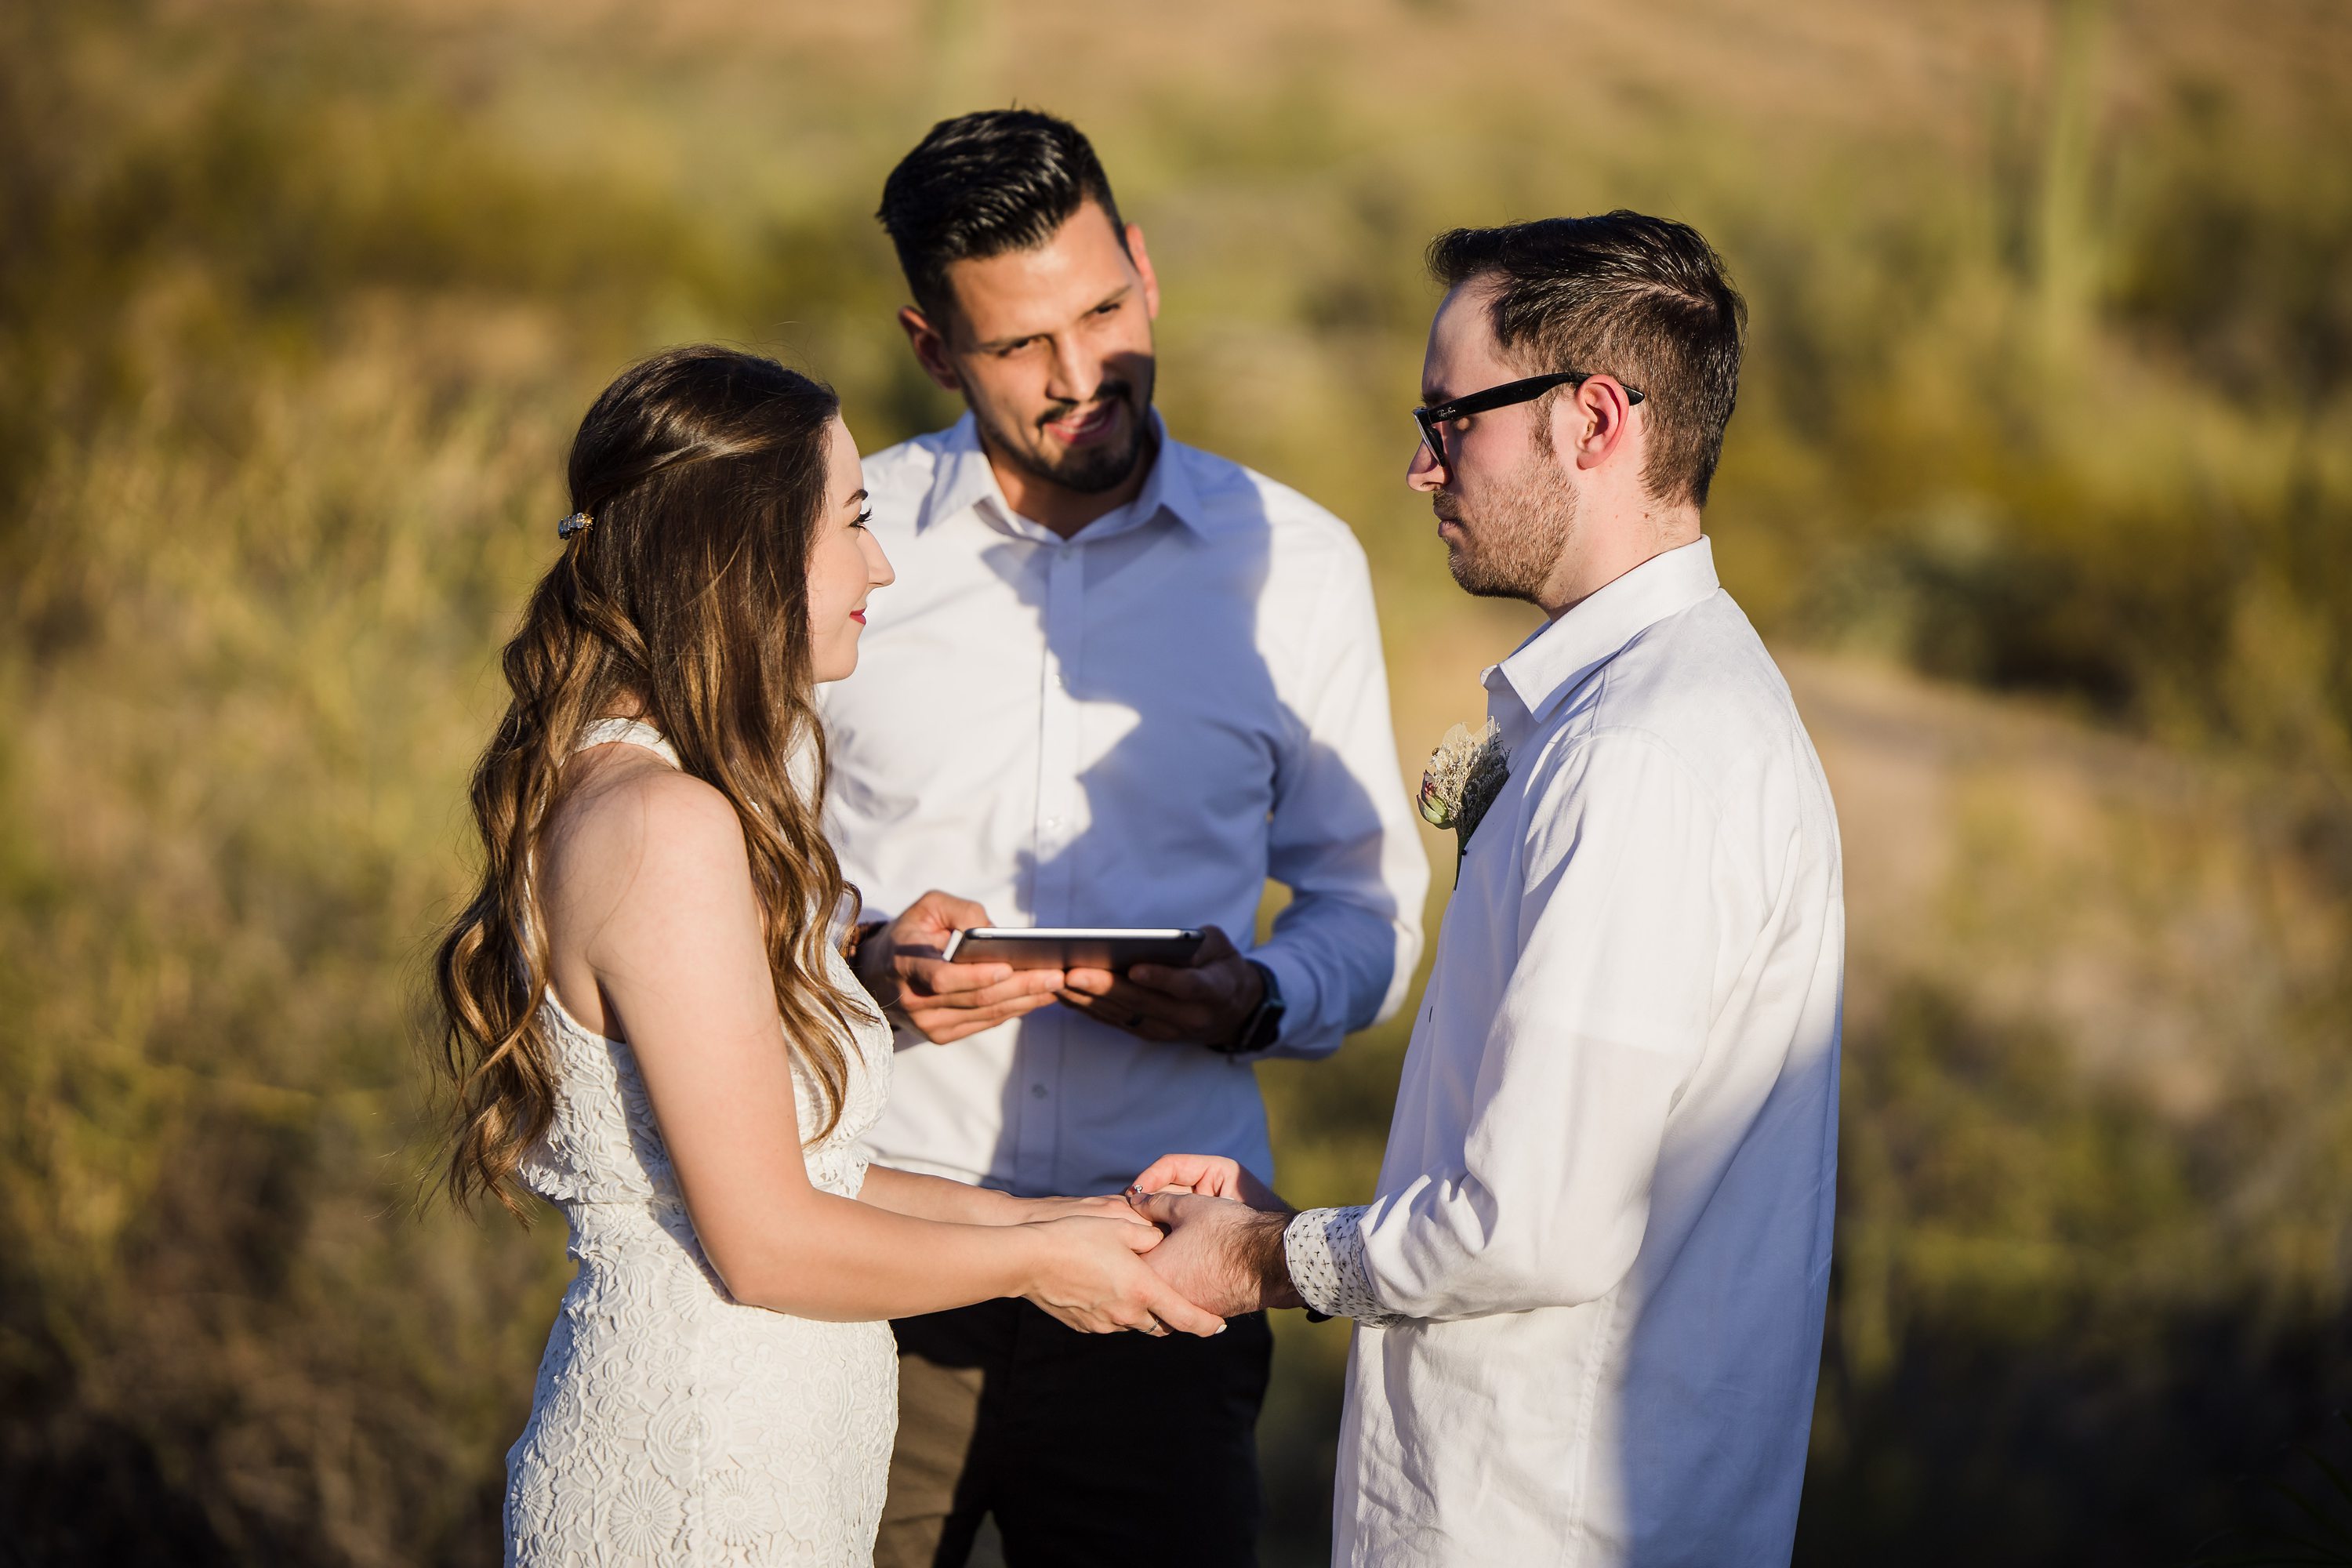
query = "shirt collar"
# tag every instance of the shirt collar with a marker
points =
(1560, 655)
(966, 479)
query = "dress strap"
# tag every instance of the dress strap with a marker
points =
(628, 732)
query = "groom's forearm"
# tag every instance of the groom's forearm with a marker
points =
(1264, 1257)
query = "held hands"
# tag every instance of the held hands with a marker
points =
(1092, 1279)
(1206, 1003)
(1211, 1176)
(1032, 1211)
(943, 1001)
(1224, 1247)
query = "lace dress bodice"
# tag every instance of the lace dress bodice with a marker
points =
(603, 1148)
(672, 1424)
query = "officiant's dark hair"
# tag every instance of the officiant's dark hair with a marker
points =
(1645, 300)
(982, 185)
(682, 598)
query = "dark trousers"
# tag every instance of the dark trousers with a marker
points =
(1090, 1449)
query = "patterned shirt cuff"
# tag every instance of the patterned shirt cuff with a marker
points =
(1325, 1249)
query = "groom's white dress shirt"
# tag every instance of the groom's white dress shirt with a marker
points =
(1588, 1295)
(1135, 727)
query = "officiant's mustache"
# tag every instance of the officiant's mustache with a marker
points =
(1107, 393)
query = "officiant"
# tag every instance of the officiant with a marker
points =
(1120, 681)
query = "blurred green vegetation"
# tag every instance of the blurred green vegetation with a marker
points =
(2048, 398)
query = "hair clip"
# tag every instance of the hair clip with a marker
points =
(578, 522)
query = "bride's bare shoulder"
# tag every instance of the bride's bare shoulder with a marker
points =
(632, 825)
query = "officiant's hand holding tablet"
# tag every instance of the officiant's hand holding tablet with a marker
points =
(956, 975)
(1219, 1000)
(1117, 949)
(906, 963)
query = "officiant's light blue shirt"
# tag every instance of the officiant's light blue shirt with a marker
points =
(1138, 726)
(1589, 1293)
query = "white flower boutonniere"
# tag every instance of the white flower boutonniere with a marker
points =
(1464, 775)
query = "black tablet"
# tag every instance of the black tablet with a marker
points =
(1113, 948)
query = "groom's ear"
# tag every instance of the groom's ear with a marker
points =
(1592, 423)
(930, 346)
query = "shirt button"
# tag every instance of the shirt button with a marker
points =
(1037, 1092)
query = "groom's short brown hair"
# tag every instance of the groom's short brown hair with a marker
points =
(1643, 299)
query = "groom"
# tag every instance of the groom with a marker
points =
(1588, 1288)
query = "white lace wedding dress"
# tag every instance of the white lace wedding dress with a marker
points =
(672, 1425)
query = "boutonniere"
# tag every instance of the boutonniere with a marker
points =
(1464, 775)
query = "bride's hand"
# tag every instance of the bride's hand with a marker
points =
(1091, 1275)
(1212, 1175)
(1031, 1211)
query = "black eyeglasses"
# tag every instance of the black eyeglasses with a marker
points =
(1433, 420)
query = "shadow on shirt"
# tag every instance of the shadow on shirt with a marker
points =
(1180, 767)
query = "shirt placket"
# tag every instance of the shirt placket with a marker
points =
(1059, 811)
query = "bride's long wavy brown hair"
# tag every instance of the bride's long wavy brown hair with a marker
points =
(685, 602)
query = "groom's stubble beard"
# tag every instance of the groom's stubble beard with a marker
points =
(1513, 549)
(1084, 472)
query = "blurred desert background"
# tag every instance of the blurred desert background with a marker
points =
(2041, 487)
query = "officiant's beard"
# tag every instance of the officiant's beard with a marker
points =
(1089, 470)
(1512, 550)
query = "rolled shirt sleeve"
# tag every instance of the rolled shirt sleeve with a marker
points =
(1602, 1022)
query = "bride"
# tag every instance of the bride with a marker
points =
(648, 1023)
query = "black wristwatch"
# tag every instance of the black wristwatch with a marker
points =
(1263, 1027)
